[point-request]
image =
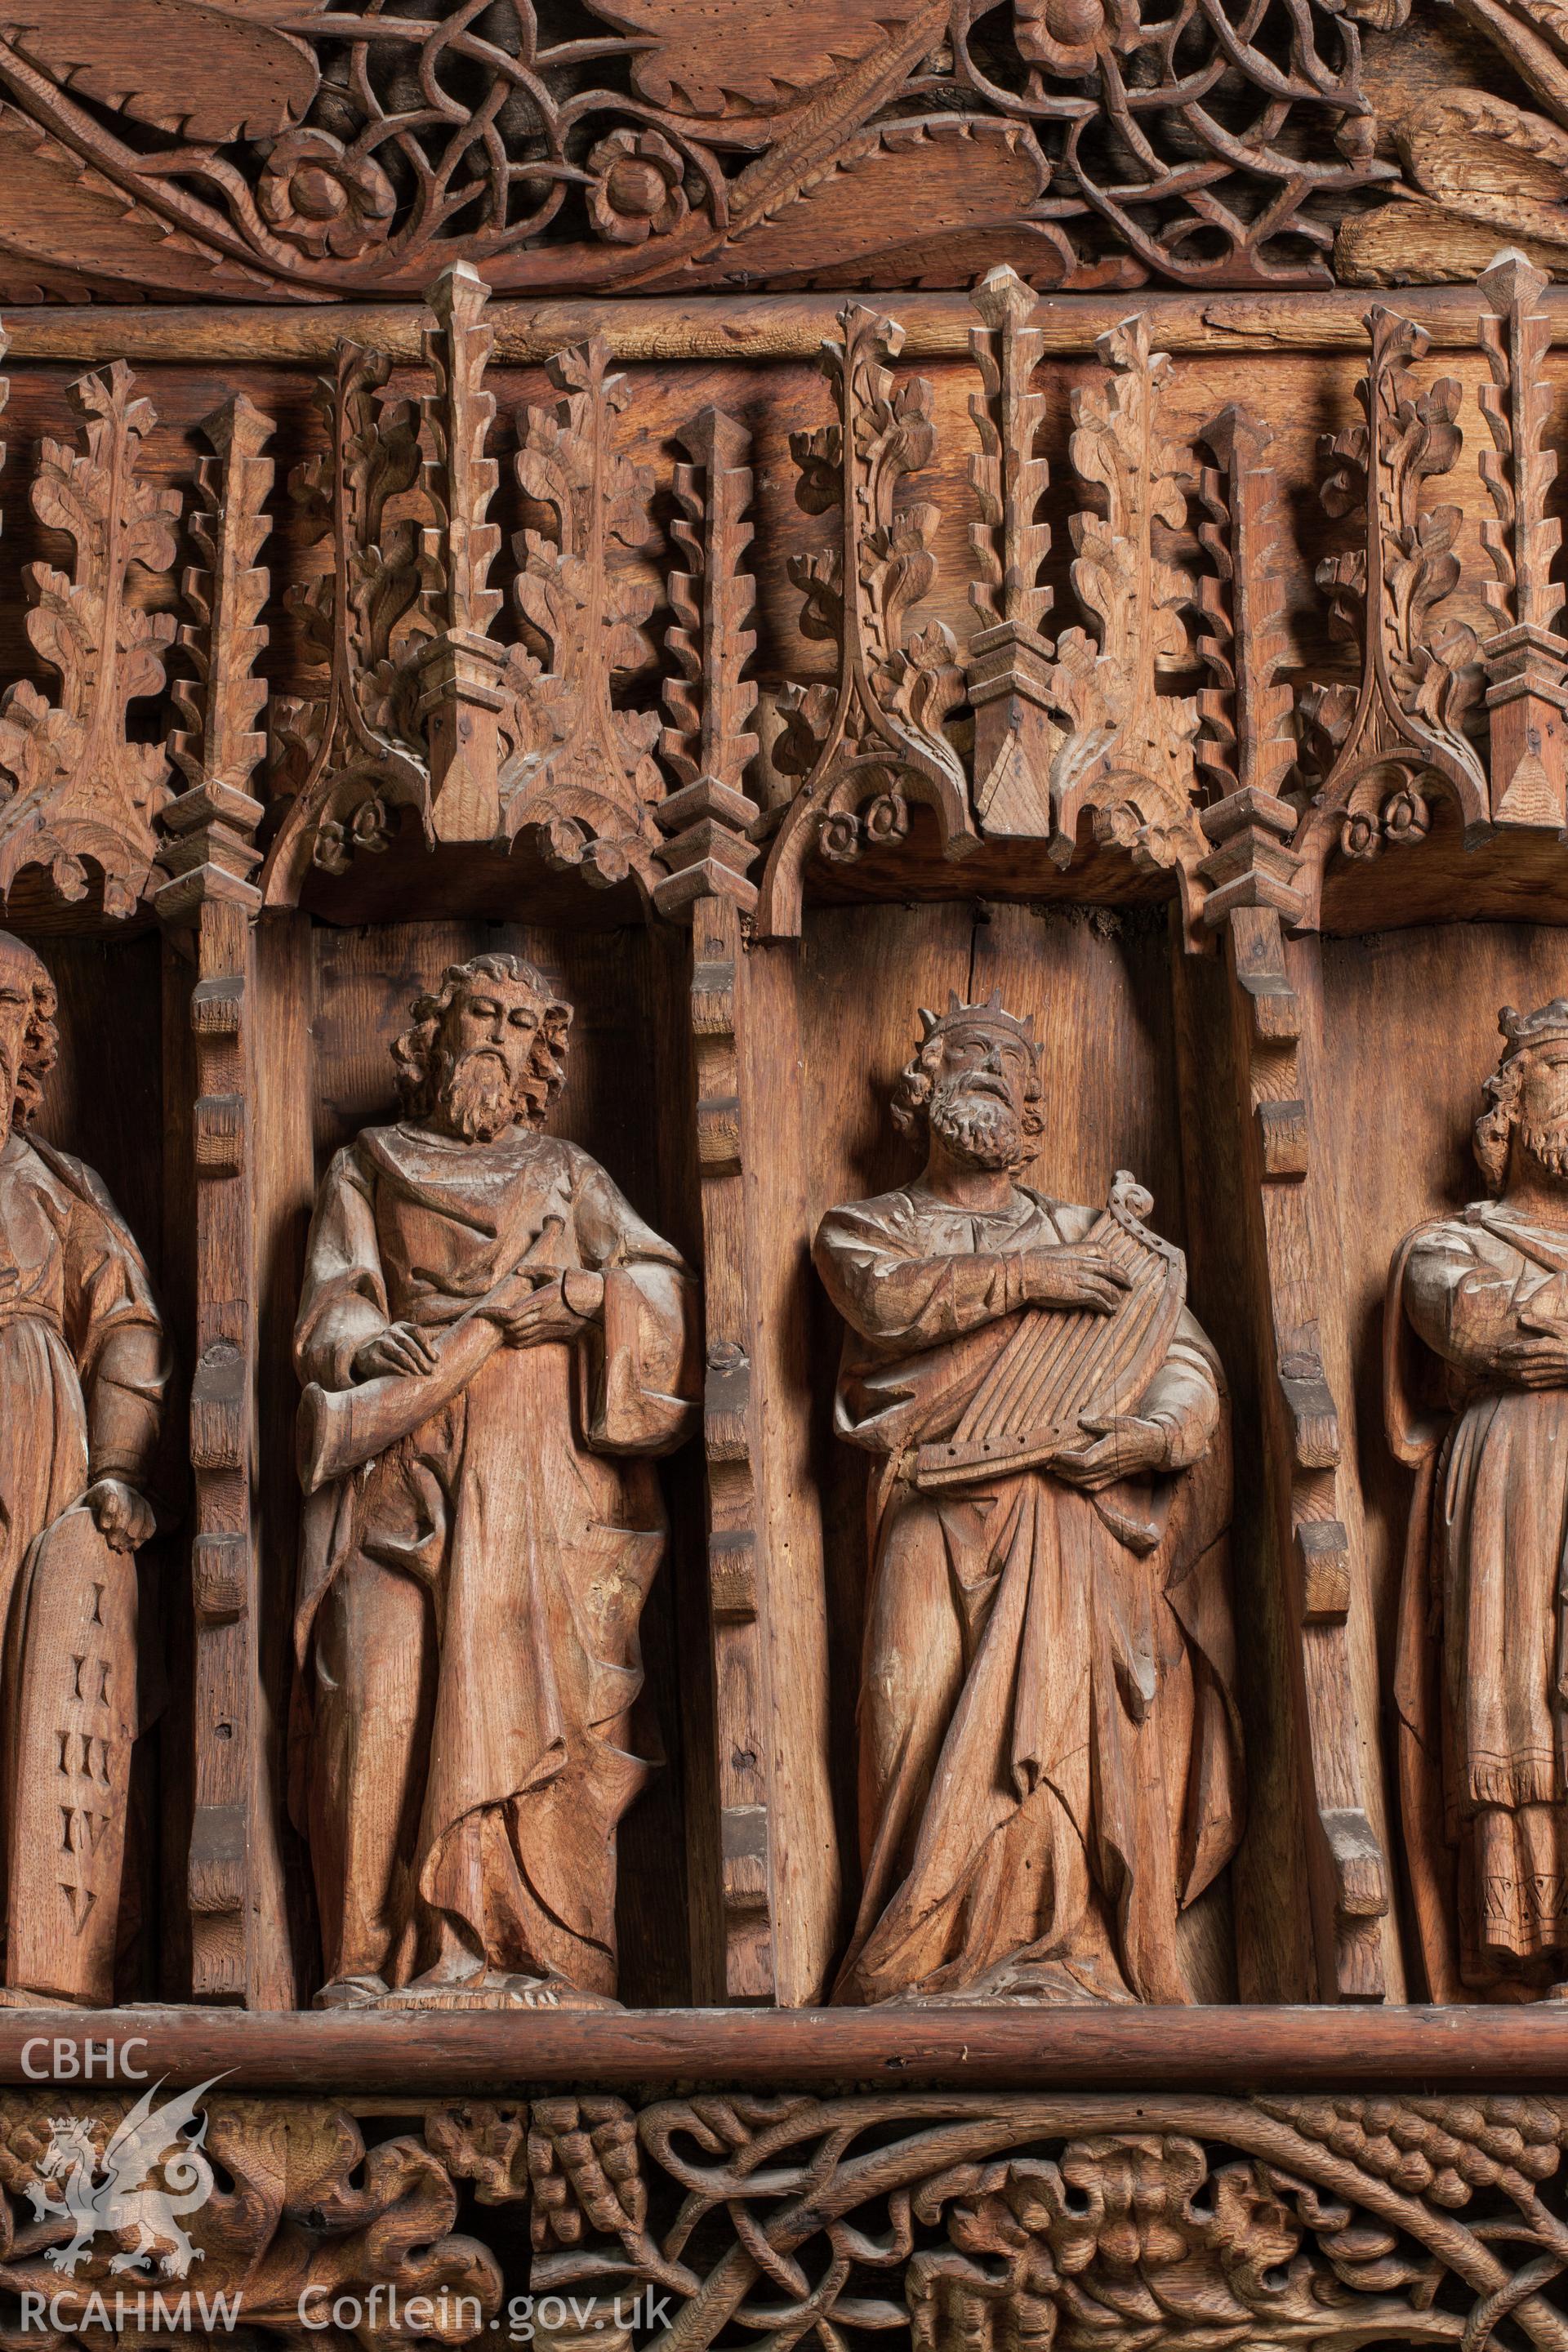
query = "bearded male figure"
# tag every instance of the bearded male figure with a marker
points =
(495, 1342)
(1476, 1344)
(83, 1372)
(1049, 1766)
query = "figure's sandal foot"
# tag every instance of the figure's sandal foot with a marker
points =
(438, 1989)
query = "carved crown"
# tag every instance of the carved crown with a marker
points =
(991, 1014)
(1522, 1030)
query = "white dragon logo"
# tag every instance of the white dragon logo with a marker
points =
(110, 2195)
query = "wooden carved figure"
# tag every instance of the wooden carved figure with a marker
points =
(1476, 1392)
(494, 1342)
(83, 1372)
(1049, 1768)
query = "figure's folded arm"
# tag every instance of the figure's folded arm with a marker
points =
(1462, 1307)
(342, 1298)
(890, 1291)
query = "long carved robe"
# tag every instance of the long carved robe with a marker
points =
(84, 1367)
(1049, 1760)
(1481, 1682)
(468, 1617)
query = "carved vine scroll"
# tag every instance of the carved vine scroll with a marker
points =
(295, 154)
(1092, 2224)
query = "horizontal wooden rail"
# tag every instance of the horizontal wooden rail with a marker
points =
(749, 327)
(1112, 2049)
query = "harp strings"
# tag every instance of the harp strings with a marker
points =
(1054, 1359)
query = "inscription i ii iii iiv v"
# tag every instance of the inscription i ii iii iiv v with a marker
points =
(84, 1369)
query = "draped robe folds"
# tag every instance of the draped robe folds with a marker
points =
(1481, 1681)
(468, 1617)
(1050, 1763)
(84, 1367)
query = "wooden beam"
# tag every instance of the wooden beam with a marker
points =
(496, 2054)
(748, 328)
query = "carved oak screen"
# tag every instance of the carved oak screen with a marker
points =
(783, 1172)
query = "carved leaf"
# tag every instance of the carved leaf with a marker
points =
(80, 788)
(768, 56)
(1382, 746)
(137, 57)
(581, 778)
(877, 739)
(353, 749)
(1127, 754)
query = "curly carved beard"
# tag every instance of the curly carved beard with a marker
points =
(976, 1125)
(1548, 1145)
(9, 1103)
(478, 1101)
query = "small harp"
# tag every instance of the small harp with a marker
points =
(1061, 1366)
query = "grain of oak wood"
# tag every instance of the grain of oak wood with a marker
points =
(740, 327)
(1139, 2049)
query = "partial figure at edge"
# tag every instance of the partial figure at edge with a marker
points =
(1476, 1359)
(84, 1372)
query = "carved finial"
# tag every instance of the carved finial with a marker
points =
(211, 825)
(582, 782)
(1385, 744)
(354, 751)
(75, 784)
(709, 700)
(1526, 659)
(1123, 748)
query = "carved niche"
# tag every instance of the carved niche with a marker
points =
(1049, 1766)
(493, 1342)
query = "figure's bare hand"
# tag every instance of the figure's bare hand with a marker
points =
(402, 1348)
(542, 1317)
(1126, 1444)
(123, 1517)
(1540, 1363)
(1064, 1277)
